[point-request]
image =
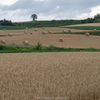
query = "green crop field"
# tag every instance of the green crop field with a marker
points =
(12, 27)
(85, 27)
(95, 33)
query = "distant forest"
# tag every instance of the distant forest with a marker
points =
(5, 22)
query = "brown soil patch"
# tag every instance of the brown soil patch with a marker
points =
(53, 76)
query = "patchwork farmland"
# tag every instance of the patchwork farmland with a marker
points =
(52, 75)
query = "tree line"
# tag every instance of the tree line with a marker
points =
(95, 19)
(6, 22)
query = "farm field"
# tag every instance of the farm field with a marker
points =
(53, 76)
(50, 75)
(88, 24)
(70, 40)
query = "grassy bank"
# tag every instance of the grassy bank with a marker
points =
(50, 23)
(40, 48)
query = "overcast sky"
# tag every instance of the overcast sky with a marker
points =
(21, 10)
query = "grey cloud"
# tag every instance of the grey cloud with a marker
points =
(66, 9)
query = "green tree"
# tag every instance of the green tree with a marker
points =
(97, 18)
(6, 22)
(34, 17)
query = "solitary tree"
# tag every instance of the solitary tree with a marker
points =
(34, 17)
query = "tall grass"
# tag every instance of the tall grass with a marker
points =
(40, 48)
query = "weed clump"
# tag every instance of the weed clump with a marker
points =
(38, 46)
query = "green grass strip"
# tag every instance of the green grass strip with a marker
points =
(11, 27)
(84, 27)
(39, 48)
(95, 33)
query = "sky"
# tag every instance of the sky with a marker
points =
(21, 10)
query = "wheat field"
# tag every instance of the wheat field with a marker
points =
(50, 76)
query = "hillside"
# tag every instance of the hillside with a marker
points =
(52, 23)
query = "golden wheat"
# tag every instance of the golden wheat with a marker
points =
(54, 76)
